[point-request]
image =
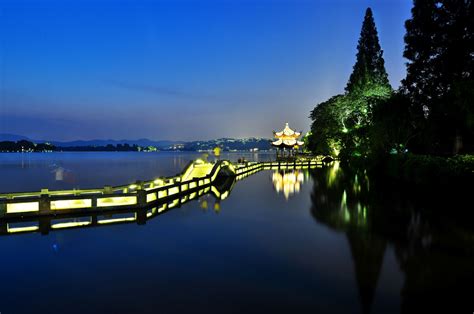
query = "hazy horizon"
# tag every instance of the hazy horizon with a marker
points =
(2, 135)
(185, 70)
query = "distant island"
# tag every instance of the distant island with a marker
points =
(17, 143)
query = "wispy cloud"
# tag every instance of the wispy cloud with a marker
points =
(161, 90)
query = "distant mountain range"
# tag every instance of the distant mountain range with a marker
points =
(13, 137)
(224, 143)
(140, 142)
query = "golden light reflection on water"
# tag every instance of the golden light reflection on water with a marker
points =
(288, 182)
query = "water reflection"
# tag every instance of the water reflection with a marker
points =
(433, 238)
(288, 182)
(429, 230)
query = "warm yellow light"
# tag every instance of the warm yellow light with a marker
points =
(287, 183)
(174, 203)
(116, 201)
(224, 195)
(159, 182)
(199, 161)
(115, 220)
(22, 229)
(13, 208)
(150, 197)
(71, 204)
(215, 191)
(174, 190)
(63, 225)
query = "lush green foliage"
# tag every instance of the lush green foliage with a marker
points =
(432, 113)
(341, 124)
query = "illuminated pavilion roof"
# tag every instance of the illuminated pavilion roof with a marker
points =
(287, 138)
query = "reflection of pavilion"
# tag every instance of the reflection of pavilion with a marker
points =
(287, 140)
(288, 183)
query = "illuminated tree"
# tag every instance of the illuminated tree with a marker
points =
(340, 124)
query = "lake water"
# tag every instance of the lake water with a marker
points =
(328, 240)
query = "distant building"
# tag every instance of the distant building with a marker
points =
(177, 147)
(287, 140)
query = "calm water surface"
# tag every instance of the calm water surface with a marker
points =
(329, 240)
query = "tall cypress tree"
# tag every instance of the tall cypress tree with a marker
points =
(340, 125)
(369, 69)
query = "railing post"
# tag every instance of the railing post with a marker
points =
(3, 227)
(107, 189)
(94, 201)
(141, 194)
(141, 216)
(44, 201)
(3, 209)
(94, 217)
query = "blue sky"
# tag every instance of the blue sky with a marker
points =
(180, 70)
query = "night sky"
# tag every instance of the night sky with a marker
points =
(180, 70)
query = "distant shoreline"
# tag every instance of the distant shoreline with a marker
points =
(131, 151)
(225, 144)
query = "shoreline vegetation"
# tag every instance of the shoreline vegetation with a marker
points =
(424, 130)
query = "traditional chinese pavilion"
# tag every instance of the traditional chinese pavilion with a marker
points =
(287, 140)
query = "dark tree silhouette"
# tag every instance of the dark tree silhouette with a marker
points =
(440, 52)
(369, 69)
